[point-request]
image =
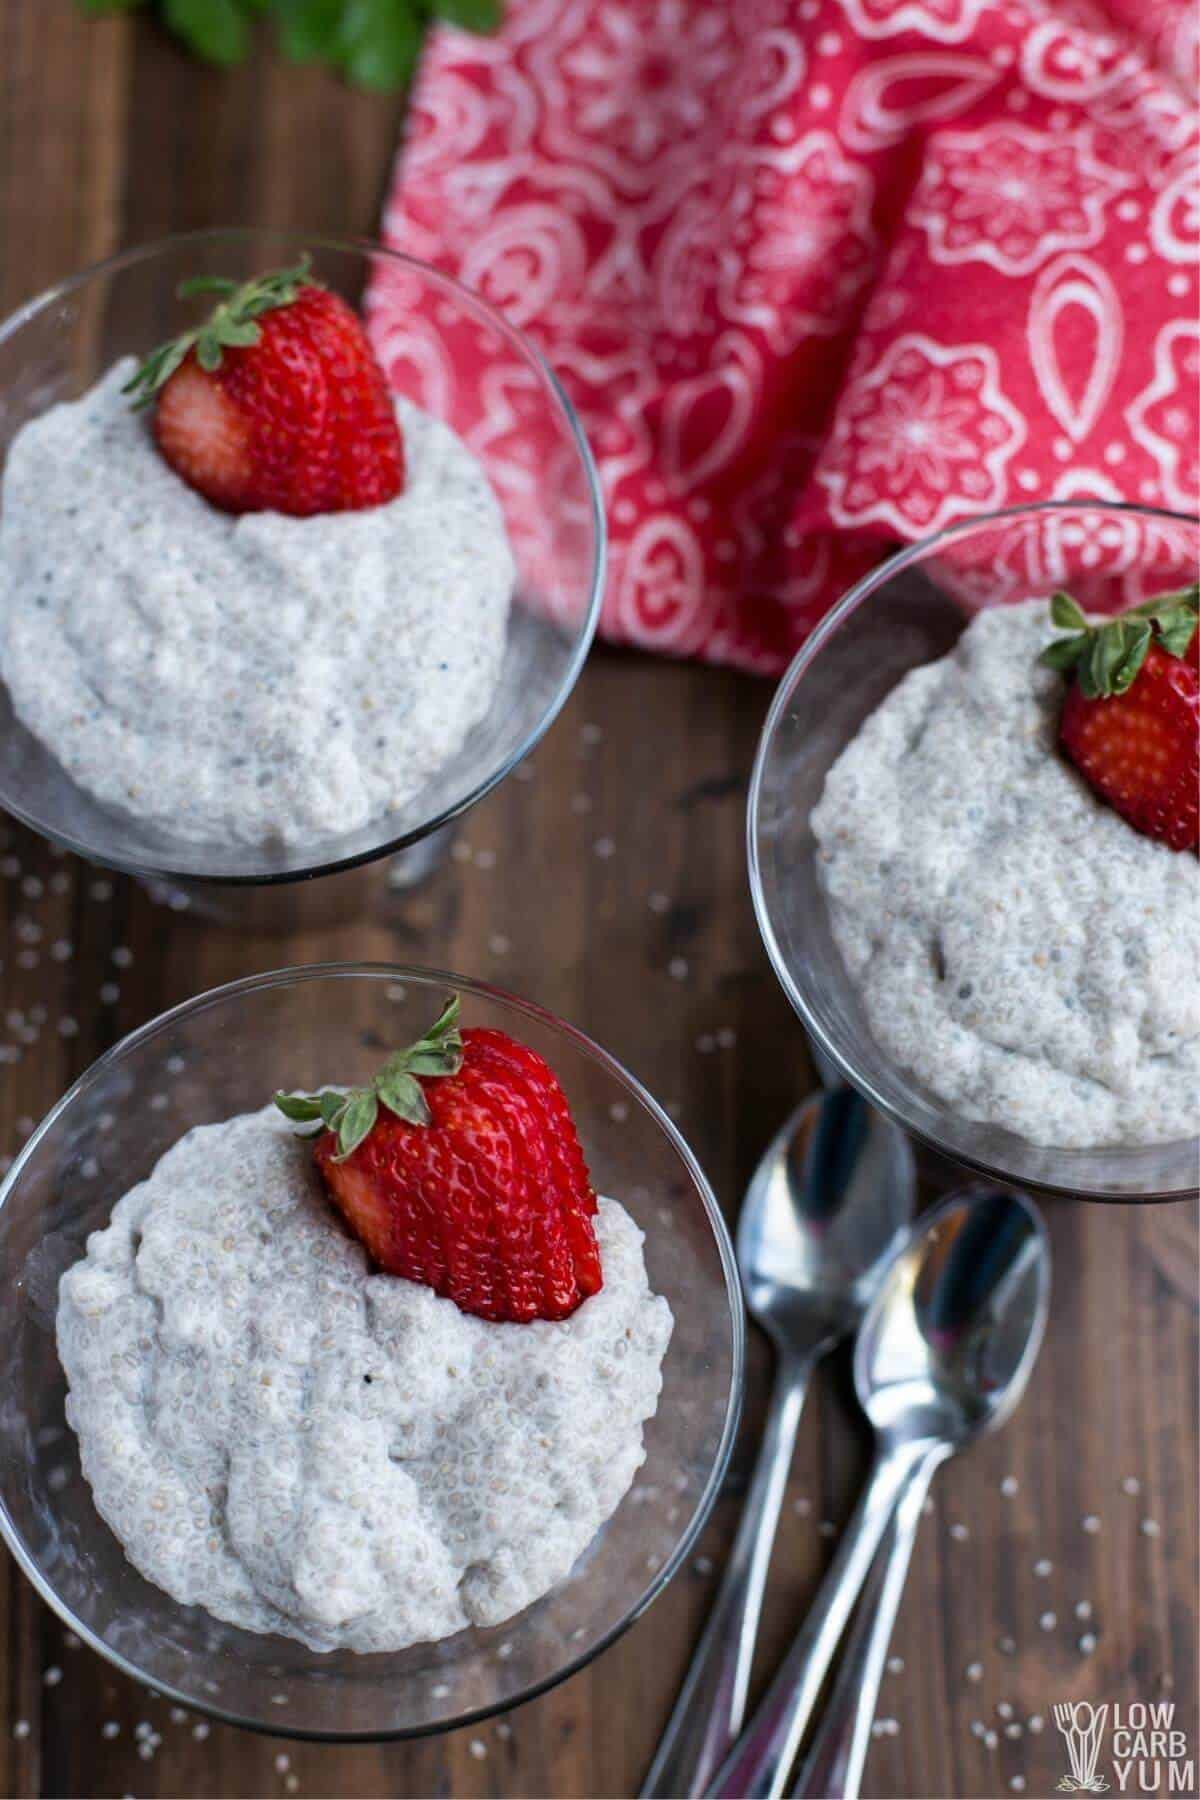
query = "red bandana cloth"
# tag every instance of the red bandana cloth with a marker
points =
(822, 276)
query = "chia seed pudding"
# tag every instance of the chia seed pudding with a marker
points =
(1016, 945)
(300, 1445)
(255, 679)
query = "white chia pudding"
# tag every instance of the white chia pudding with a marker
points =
(257, 679)
(1017, 946)
(302, 1446)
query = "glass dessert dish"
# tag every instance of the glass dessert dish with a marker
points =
(210, 1059)
(909, 612)
(442, 349)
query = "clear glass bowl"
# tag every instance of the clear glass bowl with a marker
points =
(225, 1053)
(910, 611)
(444, 349)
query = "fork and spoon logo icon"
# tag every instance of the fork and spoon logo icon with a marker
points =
(1082, 1726)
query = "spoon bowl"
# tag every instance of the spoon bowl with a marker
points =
(825, 1209)
(947, 1345)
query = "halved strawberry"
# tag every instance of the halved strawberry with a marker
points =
(276, 403)
(1131, 718)
(460, 1167)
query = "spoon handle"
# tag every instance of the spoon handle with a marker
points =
(834, 1765)
(712, 1702)
(758, 1767)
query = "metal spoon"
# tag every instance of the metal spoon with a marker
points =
(834, 1764)
(944, 1355)
(824, 1212)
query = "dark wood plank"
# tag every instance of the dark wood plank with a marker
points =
(109, 135)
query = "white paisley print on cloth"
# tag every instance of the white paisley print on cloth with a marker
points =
(803, 270)
(1163, 418)
(819, 276)
(922, 439)
(1012, 197)
(940, 21)
(1076, 334)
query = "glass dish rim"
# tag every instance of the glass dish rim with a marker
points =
(361, 246)
(860, 591)
(429, 977)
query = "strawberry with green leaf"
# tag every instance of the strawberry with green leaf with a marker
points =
(1131, 717)
(459, 1166)
(275, 402)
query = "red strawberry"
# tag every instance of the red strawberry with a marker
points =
(1131, 718)
(276, 403)
(460, 1167)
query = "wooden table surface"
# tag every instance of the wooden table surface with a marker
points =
(1058, 1559)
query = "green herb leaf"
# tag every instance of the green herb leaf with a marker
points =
(1109, 654)
(439, 1052)
(239, 334)
(145, 380)
(230, 325)
(1188, 596)
(352, 1115)
(307, 29)
(1106, 648)
(378, 42)
(1176, 628)
(332, 1106)
(217, 30)
(1064, 653)
(1137, 636)
(434, 1060)
(402, 1095)
(1067, 613)
(1173, 618)
(300, 1108)
(471, 15)
(362, 1110)
(205, 284)
(447, 1019)
(372, 42)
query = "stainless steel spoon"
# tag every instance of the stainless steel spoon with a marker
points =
(943, 1355)
(824, 1212)
(833, 1763)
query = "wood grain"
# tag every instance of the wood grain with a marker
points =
(631, 815)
